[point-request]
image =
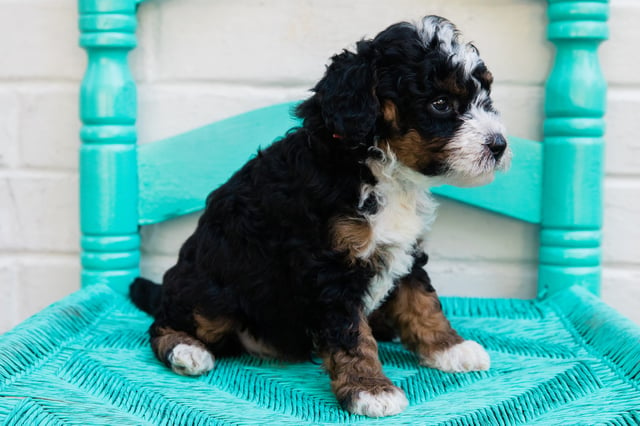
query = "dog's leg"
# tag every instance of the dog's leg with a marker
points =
(416, 311)
(190, 355)
(357, 378)
(181, 352)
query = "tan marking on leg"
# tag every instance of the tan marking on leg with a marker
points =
(183, 353)
(167, 338)
(423, 328)
(212, 330)
(357, 379)
(418, 316)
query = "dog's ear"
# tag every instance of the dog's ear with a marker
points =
(346, 96)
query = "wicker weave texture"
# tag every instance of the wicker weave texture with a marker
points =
(86, 360)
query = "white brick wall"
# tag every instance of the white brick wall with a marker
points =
(201, 60)
(40, 70)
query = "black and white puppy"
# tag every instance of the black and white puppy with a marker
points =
(316, 245)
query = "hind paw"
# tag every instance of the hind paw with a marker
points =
(190, 360)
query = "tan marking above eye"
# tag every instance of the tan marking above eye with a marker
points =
(451, 86)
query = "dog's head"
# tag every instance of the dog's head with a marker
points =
(420, 92)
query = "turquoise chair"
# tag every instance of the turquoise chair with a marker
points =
(564, 358)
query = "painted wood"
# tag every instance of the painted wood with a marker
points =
(516, 193)
(570, 238)
(564, 193)
(177, 174)
(108, 162)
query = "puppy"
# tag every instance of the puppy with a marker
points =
(316, 245)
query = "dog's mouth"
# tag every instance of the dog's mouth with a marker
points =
(476, 166)
(477, 149)
(465, 162)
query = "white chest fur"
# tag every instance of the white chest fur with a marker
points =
(405, 213)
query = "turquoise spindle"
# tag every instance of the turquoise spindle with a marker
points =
(108, 163)
(573, 148)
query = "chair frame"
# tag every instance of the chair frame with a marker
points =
(559, 359)
(556, 184)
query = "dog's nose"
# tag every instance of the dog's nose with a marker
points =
(497, 145)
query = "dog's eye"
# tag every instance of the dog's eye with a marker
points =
(441, 106)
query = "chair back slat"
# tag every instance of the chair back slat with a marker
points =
(557, 184)
(177, 174)
(516, 193)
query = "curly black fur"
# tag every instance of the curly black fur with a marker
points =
(262, 254)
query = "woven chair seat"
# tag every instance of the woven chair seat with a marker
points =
(87, 360)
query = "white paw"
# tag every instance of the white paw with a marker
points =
(189, 360)
(383, 404)
(460, 358)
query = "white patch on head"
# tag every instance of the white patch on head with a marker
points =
(470, 59)
(469, 159)
(449, 42)
(436, 26)
(190, 360)
(386, 403)
(405, 213)
(460, 358)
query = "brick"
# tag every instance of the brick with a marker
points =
(166, 110)
(8, 287)
(621, 232)
(167, 238)
(483, 279)
(10, 221)
(9, 113)
(44, 41)
(462, 233)
(470, 278)
(521, 108)
(622, 121)
(142, 58)
(290, 42)
(619, 64)
(153, 267)
(169, 110)
(40, 213)
(473, 253)
(50, 127)
(621, 290)
(45, 279)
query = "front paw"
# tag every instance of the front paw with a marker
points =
(459, 358)
(377, 402)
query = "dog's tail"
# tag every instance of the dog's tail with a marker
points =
(146, 295)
